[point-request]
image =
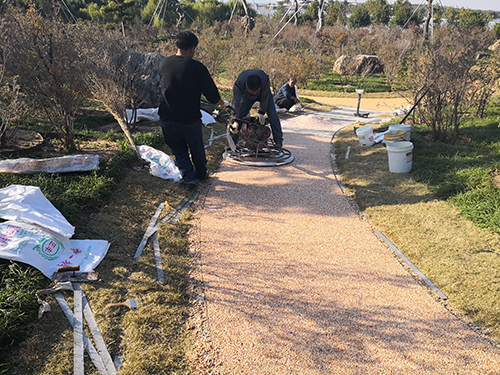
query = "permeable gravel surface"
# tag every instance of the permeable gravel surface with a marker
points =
(292, 281)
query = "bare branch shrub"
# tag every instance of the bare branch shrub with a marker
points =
(212, 50)
(451, 76)
(11, 104)
(44, 58)
(293, 52)
(395, 45)
(108, 77)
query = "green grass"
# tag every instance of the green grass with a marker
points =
(116, 202)
(18, 303)
(333, 82)
(444, 215)
(464, 173)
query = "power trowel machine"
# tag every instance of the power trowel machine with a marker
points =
(250, 143)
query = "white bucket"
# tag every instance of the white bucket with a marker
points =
(394, 136)
(406, 128)
(365, 135)
(400, 156)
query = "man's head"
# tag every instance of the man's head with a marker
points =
(254, 83)
(292, 81)
(186, 40)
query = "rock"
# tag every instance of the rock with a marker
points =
(145, 69)
(351, 65)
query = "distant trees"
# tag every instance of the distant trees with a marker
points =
(404, 14)
(470, 19)
(359, 18)
(380, 11)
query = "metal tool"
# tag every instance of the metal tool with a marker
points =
(71, 273)
(130, 303)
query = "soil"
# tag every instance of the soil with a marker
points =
(21, 140)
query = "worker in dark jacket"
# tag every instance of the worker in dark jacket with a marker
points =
(286, 97)
(183, 81)
(251, 86)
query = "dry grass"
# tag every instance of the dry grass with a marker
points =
(460, 258)
(152, 338)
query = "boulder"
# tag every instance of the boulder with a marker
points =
(145, 69)
(351, 65)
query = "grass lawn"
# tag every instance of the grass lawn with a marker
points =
(116, 202)
(443, 215)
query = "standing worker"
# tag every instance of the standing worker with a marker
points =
(183, 81)
(251, 86)
(286, 97)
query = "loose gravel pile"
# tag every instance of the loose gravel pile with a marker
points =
(292, 281)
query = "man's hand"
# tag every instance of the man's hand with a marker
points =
(262, 119)
(222, 104)
(233, 128)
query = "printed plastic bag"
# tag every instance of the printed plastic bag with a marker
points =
(160, 164)
(69, 163)
(29, 205)
(48, 251)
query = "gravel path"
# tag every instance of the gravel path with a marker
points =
(295, 282)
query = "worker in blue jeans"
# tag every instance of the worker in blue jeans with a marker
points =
(183, 81)
(251, 86)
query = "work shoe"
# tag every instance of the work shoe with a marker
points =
(204, 177)
(278, 145)
(190, 184)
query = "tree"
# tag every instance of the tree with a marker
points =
(209, 11)
(311, 13)
(380, 11)
(46, 61)
(428, 19)
(335, 14)
(496, 30)
(452, 16)
(404, 14)
(359, 18)
(470, 19)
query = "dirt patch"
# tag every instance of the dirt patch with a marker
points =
(496, 178)
(21, 140)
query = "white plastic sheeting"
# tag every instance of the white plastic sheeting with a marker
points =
(29, 205)
(152, 115)
(36, 233)
(160, 164)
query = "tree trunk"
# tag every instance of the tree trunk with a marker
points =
(69, 133)
(295, 18)
(321, 17)
(428, 20)
(125, 128)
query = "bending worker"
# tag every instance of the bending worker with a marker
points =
(286, 96)
(251, 86)
(183, 81)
